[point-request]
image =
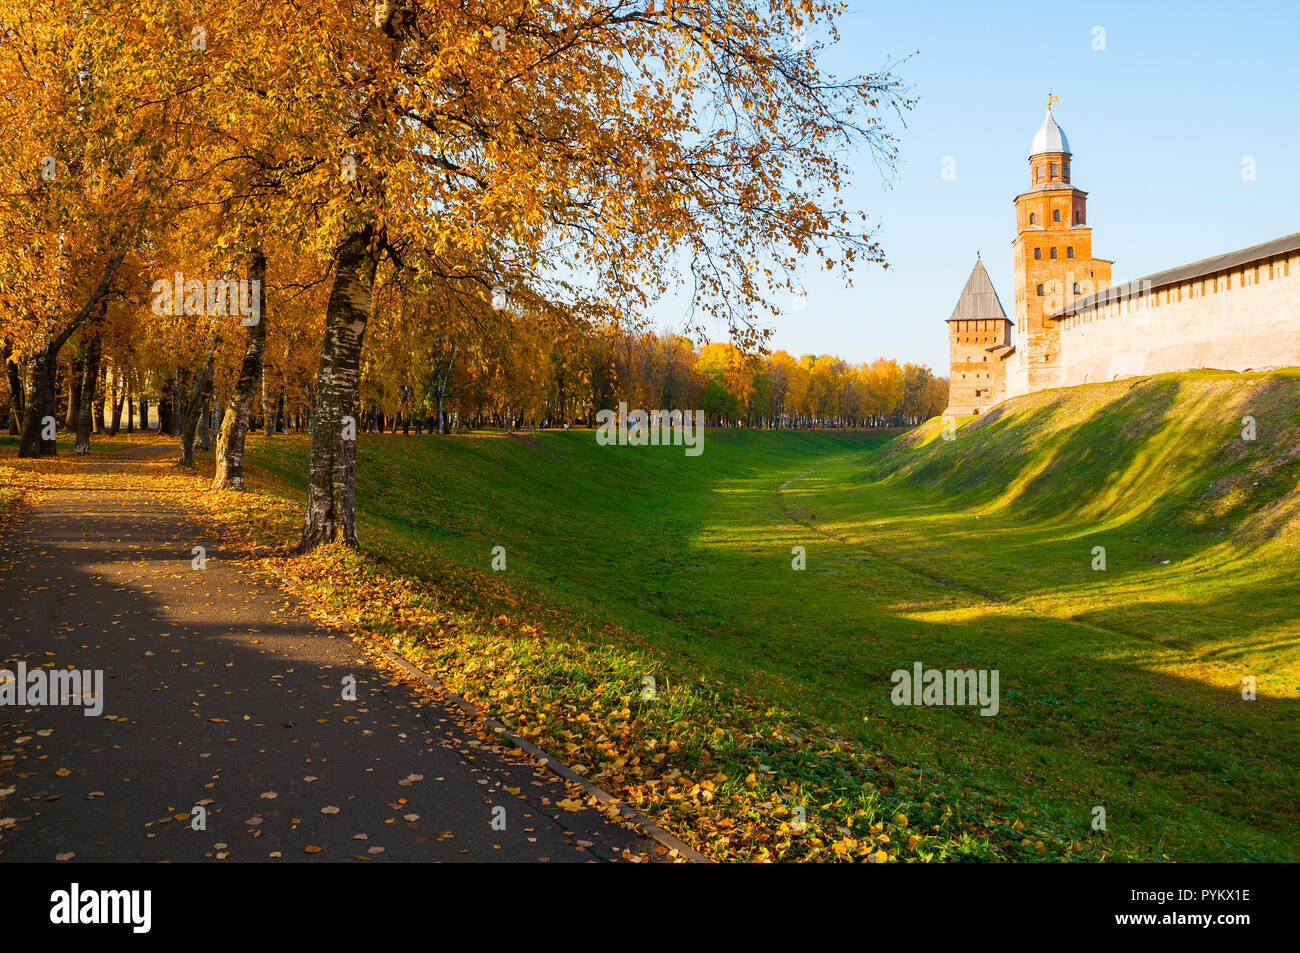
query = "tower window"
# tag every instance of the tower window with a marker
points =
(1056, 215)
(1038, 253)
(1078, 217)
(1065, 171)
(1053, 252)
(1033, 219)
(1076, 288)
(1053, 170)
(1040, 291)
(1038, 172)
(1069, 251)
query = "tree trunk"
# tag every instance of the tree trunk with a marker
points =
(130, 411)
(89, 395)
(100, 393)
(40, 407)
(200, 391)
(15, 387)
(144, 414)
(203, 439)
(118, 392)
(178, 400)
(75, 378)
(234, 426)
(165, 407)
(331, 490)
(268, 425)
(32, 442)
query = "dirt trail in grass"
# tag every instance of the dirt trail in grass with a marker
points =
(934, 578)
(219, 692)
(794, 517)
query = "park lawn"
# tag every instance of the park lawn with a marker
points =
(1119, 688)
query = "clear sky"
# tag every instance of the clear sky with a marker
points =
(1159, 122)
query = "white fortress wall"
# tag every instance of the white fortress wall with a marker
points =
(1017, 379)
(1246, 318)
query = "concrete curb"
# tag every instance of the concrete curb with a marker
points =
(548, 761)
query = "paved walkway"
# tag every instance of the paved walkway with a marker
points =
(220, 692)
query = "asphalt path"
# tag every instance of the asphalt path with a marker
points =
(221, 694)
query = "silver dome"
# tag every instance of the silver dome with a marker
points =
(1050, 137)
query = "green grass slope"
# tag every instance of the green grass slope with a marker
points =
(1120, 687)
(1158, 449)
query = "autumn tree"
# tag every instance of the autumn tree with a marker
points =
(92, 115)
(563, 130)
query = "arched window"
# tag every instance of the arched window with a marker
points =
(1078, 217)
(1053, 170)
(1040, 291)
(1053, 252)
(1069, 251)
(1038, 254)
(1033, 219)
(1056, 215)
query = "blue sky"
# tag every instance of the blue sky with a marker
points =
(1159, 123)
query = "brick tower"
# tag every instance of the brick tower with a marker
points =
(1053, 256)
(979, 335)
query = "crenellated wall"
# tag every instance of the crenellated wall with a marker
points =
(1245, 318)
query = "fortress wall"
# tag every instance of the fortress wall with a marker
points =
(1247, 318)
(1017, 372)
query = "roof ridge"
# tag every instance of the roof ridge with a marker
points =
(1188, 272)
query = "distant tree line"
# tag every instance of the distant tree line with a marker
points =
(512, 374)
